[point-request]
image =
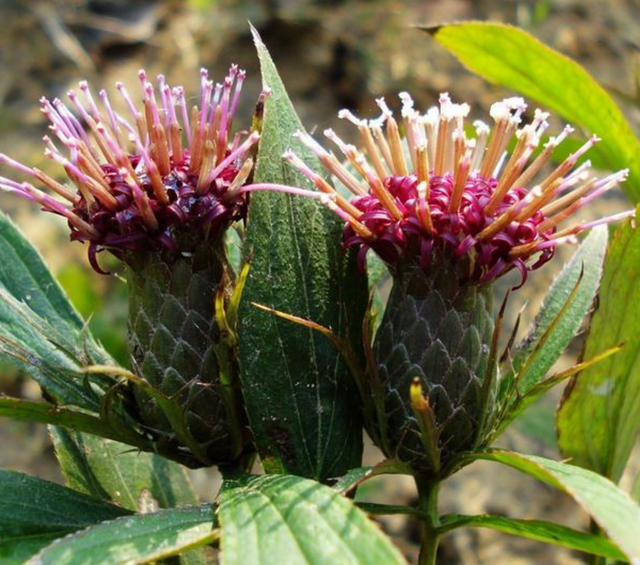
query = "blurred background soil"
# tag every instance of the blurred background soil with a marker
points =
(332, 54)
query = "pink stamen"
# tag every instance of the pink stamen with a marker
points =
(84, 86)
(180, 101)
(150, 97)
(127, 100)
(606, 220)
(112, 115)
(16, 165)
(238, 153)
(270, 187)
(238, 89)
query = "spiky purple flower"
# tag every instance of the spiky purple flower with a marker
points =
(163, 179)
(483, 207)
(448, 215)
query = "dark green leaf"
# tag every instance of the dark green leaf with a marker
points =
(34, 512)
(120, 473)
(135, 539)
(598, 421)
(610, 507)
(15, 550)
(511, 57)
(46, 353)
(29, 505)
(300, 397)
(546, 532)
(287, 519)
(40, 330)
(24, 274)
(46, 413)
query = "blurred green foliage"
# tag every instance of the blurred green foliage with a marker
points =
(103, 302)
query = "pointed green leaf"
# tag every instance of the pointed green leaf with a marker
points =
(511, 57)
(610, 507)
(135, 539)
(538, 530)
(562, 312)
(52, 343)
(46, 413)
(287, 519)
(32, 505)
(300, 397)
(40, 331)
(34, 512)
(118, 472)
(599, 420)
(25, 277)
(24, 274)
(15, 550)
(354, 477)
(49, 355)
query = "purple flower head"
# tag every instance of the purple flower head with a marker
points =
(474, 203)
(162, 177)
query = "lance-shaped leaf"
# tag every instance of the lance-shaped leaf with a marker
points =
(599, 419)
(26, 277)
(538, 530)
(562, 313)
(34, 512)
(521, 402)
(46, 413)
(511, 57)
(300, 397)
(287, 519)
(135, 539)
(354, 477)
(610, 507)
(47, 337)
(40, 331)
(118, 472)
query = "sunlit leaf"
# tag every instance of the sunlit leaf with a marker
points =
(513, 58)
(135, 539)
(538, 530)
(610, 507)
(564, 308)
(599, 420)
(286, 519)
(118, 472)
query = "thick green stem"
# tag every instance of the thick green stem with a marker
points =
(429, 532)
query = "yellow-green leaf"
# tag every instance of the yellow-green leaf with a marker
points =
(511, 57)
(599, 420)
(610, 507)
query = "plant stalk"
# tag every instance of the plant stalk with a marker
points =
(429, 531)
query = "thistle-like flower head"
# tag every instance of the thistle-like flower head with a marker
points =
(157, 176)
(479, 204)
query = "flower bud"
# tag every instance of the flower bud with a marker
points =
(158, 189)
(436, 333)
(448, 215)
